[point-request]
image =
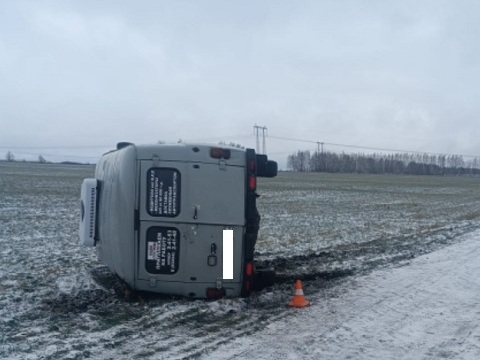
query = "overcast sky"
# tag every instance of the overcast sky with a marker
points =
(76, 77)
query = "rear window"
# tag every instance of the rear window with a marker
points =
(163, 192)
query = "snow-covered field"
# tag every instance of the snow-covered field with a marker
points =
(388, 262)
(427, 308)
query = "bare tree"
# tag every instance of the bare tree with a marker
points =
(10, 157)
(299, 161)
(414, 164)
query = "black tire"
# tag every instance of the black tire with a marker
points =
(272, 169)
(264, 277)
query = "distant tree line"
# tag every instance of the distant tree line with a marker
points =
(10, 157)
(400, 163)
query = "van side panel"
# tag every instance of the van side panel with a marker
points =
(116, 173)
(185, 152)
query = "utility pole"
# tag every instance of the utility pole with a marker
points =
(317, 168)
(318, 155)
(264, 133)
(323, 160)
(263, 129)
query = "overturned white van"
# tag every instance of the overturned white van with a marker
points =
(157, 214)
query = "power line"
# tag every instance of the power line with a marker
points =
(259, 131)
(232, 138)
(55, 147)
(292, 139)
(368, 147)
(57, 155)
(49, 150)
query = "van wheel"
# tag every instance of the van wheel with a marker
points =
(264, 277)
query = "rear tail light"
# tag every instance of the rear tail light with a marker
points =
(247, 284)
(251, 172)
(249, 269)
(252, 182)
(219, 153)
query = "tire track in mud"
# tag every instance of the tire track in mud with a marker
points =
(321, 270)
(179, 328)
(204, 338)
(356, 258)
(192, 329)
(171, 327)
(204, 330)
(258, 313)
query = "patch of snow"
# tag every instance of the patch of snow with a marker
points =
(427, 309)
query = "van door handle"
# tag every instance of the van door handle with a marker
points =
(195, 211)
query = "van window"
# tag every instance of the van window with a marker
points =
(163, 192)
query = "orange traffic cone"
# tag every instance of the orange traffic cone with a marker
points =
(298, 298)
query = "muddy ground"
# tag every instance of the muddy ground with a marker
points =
(58, 301)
